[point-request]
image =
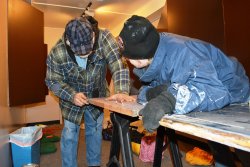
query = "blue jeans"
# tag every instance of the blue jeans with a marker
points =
(93, 139)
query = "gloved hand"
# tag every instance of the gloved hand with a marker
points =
(154, 92)
(155, 109)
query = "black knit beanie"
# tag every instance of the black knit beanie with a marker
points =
(140, 38)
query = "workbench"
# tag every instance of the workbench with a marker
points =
(122, 114)
(229, 126)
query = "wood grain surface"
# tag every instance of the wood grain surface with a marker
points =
(126, 108)
(229, 126)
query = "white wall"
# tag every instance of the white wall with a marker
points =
(43, 112)
(52, 35)
(147, 9)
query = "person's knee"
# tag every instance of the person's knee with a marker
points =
(70, 130)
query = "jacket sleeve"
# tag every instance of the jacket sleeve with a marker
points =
(55, 79)
(200, 88)
(118, 67)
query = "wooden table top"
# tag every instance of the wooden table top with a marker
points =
(229, 126)
(127, 108)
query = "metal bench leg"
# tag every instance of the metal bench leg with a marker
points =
(159, 146)
(121, 139)
(174, 150)
(115, 146)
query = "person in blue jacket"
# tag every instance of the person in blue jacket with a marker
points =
(180, 74)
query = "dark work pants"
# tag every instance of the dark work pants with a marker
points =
(224, 157)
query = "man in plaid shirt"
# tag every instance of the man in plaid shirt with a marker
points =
(76, 71)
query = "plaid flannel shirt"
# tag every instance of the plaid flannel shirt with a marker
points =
(65, 78)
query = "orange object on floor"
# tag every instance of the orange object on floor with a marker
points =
(198, 156)
(136, 147)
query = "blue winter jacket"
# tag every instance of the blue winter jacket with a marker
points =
(200, 76)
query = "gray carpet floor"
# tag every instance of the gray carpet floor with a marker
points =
(54, 159)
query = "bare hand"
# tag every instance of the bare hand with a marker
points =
(120, 97)
(80, 99)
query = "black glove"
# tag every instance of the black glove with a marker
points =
(154, 92)
(155, 109)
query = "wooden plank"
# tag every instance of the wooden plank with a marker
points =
(229, 126)
(127, 108)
